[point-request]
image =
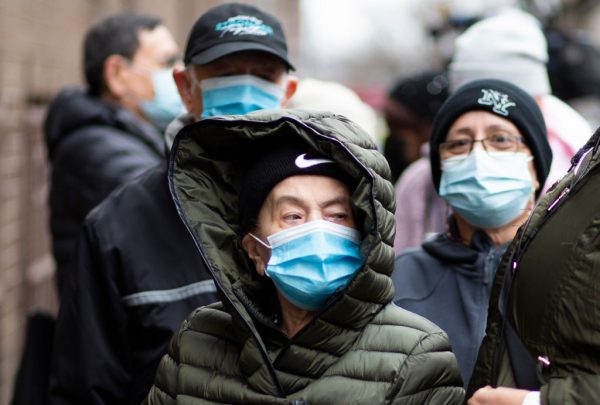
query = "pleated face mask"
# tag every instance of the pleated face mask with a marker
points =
(488, 189)
(310, 262)
(166, 104)
(239, 94)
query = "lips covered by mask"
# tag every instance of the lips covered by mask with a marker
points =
(309, 263)
(487, 189)
(239, 94)
(166, 104)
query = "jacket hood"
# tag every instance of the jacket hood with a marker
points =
(207, 165)
(73, 109)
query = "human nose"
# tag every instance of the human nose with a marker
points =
(479, 143)
(314, 215)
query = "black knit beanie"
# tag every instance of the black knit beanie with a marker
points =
(504, 100)
(277, 165)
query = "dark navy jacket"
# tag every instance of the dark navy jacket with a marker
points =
(449, 283)
(135, 276)
(93, 146)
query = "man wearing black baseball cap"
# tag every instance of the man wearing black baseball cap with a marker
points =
(231, 28)
(137, 273)
(236, 61)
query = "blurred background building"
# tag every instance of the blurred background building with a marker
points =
(365, 45)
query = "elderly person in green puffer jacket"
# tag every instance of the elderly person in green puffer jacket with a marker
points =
(293, 214)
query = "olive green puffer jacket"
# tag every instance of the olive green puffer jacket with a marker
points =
(360, 349)
(553, 270)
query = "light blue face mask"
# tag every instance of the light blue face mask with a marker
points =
(312, 261)
(166, 104)
(487, 189)
(238, 95)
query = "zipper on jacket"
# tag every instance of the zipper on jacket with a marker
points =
(563, 194)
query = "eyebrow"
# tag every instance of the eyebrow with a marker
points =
(469, 131)
(460, 131)
(295, 200)
(343, 200)
(501, 127)
(287, 199)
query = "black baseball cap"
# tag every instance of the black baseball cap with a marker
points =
(235, 27)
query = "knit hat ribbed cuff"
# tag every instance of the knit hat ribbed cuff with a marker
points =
(275, 167)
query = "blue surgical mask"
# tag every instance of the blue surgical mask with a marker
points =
(238, 95)
(487, 189)
(166, 104)
(312, 261)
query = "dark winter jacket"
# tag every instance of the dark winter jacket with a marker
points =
(547, 291)
(360, 348)
(136, 275)
(449, 283)
(93, 147)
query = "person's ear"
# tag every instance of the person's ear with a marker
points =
(115, 76)
(290, 89)
(253, 248)
(184, 86)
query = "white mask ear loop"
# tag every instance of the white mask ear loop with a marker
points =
(284, 86)
(256, 238)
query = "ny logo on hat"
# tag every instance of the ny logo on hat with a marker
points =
(244, 25)
(499, 101)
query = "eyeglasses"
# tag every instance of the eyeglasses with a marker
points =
(494, 143)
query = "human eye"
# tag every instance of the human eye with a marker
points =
(170, 62)
(339, 214)
(292, 217)
(338, 217)
(502, 141)
(266, 76)
(457, 146)
(269, 73)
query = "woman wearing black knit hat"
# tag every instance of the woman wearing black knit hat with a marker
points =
(489, 158)
(292, 213)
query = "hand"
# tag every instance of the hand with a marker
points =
(498, 396)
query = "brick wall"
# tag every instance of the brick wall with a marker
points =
(40, 43)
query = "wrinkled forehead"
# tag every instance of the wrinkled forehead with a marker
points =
(311, 188)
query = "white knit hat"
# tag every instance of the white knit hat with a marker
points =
(509, 46)
(333, 96)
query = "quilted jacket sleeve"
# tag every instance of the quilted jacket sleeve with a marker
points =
(430, 374)
(575, 389)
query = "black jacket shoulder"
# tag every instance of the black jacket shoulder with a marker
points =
(93, 147)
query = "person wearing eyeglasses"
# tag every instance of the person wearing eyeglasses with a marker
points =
(489, 160)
